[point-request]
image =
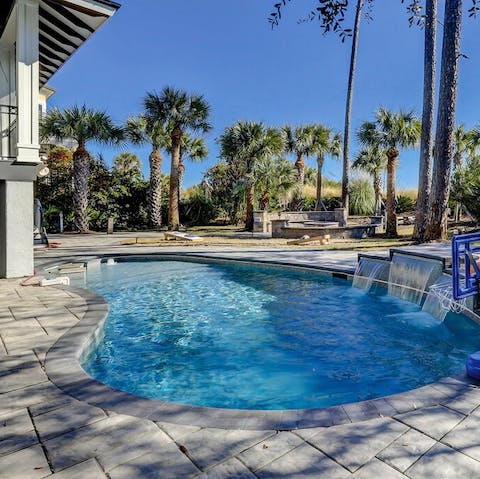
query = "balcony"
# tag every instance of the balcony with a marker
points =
(8, 132)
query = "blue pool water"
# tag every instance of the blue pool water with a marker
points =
(254, 337)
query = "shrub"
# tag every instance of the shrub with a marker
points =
(362, 197)
(411, 193)
(197, 208)
(332, 202)
(308, 204)
(466, 186)
(51, 219)
(331, 188)
(405, 203)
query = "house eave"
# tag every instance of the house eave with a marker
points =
(65, 25)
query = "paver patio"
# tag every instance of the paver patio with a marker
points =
(45, 432)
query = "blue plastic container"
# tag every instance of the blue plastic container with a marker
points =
(473, 365)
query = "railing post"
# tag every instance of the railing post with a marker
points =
(27, 51)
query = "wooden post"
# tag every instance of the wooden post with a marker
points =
(110, 226)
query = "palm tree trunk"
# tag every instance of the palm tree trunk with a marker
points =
(437, 219)
(250, 199)
(320, 159)
(392, 155)
(377, 187)
(300, 166)
(173, 214)
(264, 201)
(426, 144)
(348, 107)
(457, 163)
(181, 174)
(81, 175)
(155, 192)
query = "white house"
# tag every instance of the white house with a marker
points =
(36, 38)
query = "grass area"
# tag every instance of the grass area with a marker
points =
(215, 229)
(236, 237)
(411, 193)
(366, 244)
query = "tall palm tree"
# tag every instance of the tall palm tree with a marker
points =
(373, 160)
(438, 207)
(391, 131)
(151, 130)
(348, 106)
(82, 125)
(324, 142)
(299, 141)
(426, 143)
(182, 113)
(331, 13)
(246, 143)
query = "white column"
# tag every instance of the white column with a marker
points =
(27, 80)
(16, 229)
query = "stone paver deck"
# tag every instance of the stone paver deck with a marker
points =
(45, 432)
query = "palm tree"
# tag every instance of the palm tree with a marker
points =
(474, 134)
(246, 143)
(299, 141)
(182, 113)
(148, 129)
(426, 143)
(128, 164)
(324, 142)
(193, 149)
(274, 179)
(82, 125)
(373, 160)
(348, 106)
(391, 131)
(465, 146)
(438, 207)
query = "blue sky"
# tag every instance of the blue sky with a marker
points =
(226, 50)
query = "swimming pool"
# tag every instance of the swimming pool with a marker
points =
(246, 336)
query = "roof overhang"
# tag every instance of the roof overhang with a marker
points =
(47, 91)
(64, 26)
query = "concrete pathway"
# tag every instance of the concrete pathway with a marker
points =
(47, 433)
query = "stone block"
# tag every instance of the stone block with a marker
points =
(353, 445)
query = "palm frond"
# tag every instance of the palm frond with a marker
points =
(371, 159)
(81, 124)
(247, 142)
(391, 130)
(135, 130)
(299, 140)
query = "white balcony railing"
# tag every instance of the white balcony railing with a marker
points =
(8, 132)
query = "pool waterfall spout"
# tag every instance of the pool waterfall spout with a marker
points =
(368, 271)
(433, 305)
(410, 276)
